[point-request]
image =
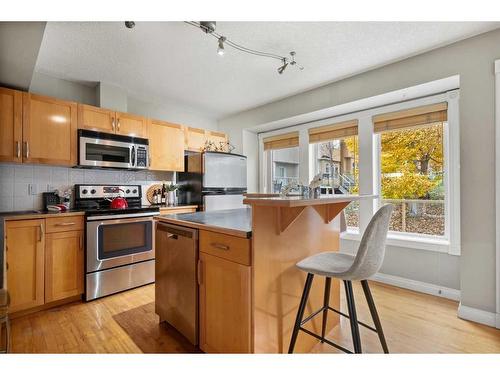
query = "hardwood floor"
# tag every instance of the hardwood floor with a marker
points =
(125, 323)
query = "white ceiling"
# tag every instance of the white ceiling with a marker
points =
(173, 60)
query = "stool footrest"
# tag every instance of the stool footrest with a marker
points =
(325, 340)
(348, 317)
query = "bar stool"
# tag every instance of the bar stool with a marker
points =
(347, 268)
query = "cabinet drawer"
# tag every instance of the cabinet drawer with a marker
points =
(63, 224)
(224, 246)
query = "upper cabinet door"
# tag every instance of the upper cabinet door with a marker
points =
(97, 119)
(49, 130)
(131, 125)
(195, 139)
(11, 126)
(166, 146)
(219, 139)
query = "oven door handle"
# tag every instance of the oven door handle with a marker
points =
(132, 156)
(124, 216)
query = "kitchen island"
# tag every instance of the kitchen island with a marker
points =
(249, 287)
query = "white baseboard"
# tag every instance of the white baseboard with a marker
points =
(418, 286)
(478, 316)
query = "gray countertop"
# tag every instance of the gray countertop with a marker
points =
(235, 222)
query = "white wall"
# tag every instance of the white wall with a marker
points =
(473, 60)
(173, 112)
(59, 88)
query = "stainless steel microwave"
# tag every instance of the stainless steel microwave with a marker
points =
(96, 149)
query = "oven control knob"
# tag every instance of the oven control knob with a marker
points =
(134, 191)
(127, 191)
(92, 191)
(85, 191)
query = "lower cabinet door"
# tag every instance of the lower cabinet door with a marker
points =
(63, 265)
(225, 305)
(25, 244)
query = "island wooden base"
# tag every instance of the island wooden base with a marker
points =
(278, 283)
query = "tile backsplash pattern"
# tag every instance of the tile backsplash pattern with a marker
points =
(15, 178)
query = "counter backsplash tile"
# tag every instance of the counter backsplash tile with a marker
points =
(14, 180)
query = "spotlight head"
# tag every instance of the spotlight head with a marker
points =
(220, 48)
(130, 24)
(282, 68)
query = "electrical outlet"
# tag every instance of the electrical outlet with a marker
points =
(32, 189)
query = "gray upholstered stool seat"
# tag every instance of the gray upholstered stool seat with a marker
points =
(329, 264)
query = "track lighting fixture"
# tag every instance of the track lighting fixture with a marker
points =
(209, 28)
(220, 49)
(282, 68)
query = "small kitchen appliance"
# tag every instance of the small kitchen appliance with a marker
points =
(96, 149)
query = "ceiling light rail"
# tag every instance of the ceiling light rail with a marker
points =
(209, 28)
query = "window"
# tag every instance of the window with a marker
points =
(412, 168)
(336, 156)
(282, 154)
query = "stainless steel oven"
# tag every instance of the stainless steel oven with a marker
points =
(120, 253)
(98, 149)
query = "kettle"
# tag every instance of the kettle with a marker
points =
(119, 203)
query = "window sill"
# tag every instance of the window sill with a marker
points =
(407, 241)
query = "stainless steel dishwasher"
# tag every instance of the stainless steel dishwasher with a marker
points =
(176, 287)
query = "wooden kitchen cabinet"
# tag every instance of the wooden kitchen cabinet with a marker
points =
(25, 244)
(131, 125)
(49, 130)
(225, 305)
(63, 265)
(95, 118)
(11, 126)
(166, 146)
(108, 121)
(195, 139)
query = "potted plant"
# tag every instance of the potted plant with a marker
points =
(171, 195)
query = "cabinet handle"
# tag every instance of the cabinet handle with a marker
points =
(118, 125)
(198, 272)
(219, 246)
(40, 233)
(18, 149)
(81, 242)
(26, 149)
(64, 224)
(113, 123)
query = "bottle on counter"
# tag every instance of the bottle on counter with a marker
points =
(163, 194)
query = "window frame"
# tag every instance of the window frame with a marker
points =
(369, 169)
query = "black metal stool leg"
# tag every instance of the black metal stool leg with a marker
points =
(326, 301)
(300, 312)
(374, 314)
(356, 340)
